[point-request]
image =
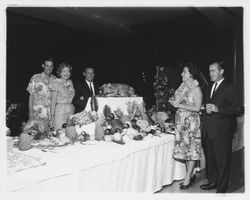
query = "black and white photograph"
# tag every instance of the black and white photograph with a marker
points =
(124, 99)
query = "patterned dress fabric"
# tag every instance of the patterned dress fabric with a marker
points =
(187, 126)
(40, 87)
(64, 107)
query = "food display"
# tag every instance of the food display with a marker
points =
(109, 126)
(116, 90)
(122, 129)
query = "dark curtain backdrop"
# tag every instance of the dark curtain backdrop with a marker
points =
(116, 58)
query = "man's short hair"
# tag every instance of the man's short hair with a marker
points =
(84, 70)
(48, 59)
(221, 64)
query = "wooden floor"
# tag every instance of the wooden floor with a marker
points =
(236, 184)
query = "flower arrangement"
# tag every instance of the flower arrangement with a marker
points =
(167, 79)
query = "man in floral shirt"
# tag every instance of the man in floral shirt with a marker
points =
(40, 96)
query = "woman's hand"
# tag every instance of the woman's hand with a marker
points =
(175, 104)
(171, 102)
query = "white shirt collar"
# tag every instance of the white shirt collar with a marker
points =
(90, 85)
(212, 89)
(219, 82)
(88, 82)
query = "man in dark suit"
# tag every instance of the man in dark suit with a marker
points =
(222, 105)
(85, 89)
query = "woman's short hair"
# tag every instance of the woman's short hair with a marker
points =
(193, 69)
(61, 67)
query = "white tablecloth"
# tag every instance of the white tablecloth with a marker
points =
(114, 103)
(139, 166)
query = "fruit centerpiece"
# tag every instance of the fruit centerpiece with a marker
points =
(116, 90)
(107, 126)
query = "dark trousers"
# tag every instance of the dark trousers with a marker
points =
(204, 146)
(219, 155)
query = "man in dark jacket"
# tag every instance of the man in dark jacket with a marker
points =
(84, 89)
(222, 105)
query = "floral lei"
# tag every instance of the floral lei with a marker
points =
(183, 91)
(66, 83)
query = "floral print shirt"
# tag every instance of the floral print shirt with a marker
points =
(40, 87)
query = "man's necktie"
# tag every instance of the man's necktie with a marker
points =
(215, 86)
(91, 88)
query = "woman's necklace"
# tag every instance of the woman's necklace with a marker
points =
(66, 83)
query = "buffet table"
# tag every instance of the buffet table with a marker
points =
(138, 166)
(115, 103)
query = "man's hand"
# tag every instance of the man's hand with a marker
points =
(211, 108)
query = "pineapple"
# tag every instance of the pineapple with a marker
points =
(24, 142)
(99, 132)
(70, 133)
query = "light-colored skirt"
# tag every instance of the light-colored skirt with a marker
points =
(62, 112)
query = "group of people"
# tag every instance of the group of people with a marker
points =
(214, 135)
(53, 99)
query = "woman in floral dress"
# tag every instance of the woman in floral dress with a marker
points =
(62, 95)
(188, 99)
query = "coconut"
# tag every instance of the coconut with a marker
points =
(138, 137)
(24, 142)
(128, 124)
